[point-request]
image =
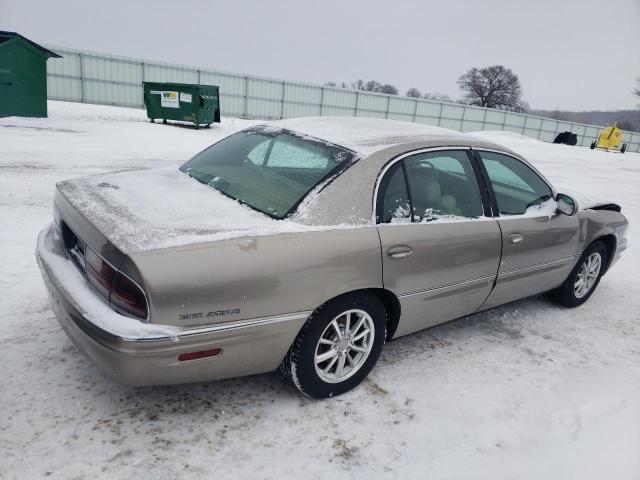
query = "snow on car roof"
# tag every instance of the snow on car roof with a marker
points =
(368, 135)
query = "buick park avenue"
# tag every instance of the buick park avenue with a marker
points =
(305, 245)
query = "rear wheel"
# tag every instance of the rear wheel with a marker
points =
(337, 347)
(584, 278)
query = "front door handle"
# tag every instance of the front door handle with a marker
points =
(515, 238)
(398, 252)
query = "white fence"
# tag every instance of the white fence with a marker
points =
(110, 80)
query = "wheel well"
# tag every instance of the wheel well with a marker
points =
(610, 242)
(391, 306)
(389, 301)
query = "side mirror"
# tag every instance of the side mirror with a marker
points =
(566, 204)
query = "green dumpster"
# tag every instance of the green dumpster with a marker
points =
(184, 102)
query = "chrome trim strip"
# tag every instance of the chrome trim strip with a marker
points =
(240, 324)
(539, 265)
(449, 285)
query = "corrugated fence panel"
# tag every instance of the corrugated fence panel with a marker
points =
(112, 80)
(473, 119)
(515, 120)
(112, 94)
(339, 102)
(402, 108)
(60, 88)
(264, 98)
(302, 100)
(372, 105)
(165, 73)
(495, 120)
(68, 65)
(63, 78)
(232, 91)
(116, 71)
(427, 112)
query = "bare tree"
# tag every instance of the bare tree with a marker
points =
(337, 85)
(388, 89)
(413, 93)
(438, 97)
(636, 92)
(367, 86)
(493, 87)
(374, 86)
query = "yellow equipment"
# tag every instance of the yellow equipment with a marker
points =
(609, 139)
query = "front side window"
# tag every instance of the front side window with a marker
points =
(517, 187)
(443, 184)
(268, 169)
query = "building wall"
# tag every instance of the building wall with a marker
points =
(23, 80)
(110, 80)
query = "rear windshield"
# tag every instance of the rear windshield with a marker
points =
(268, 169)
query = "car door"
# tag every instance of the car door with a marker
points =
(440, 253)
(539, 246)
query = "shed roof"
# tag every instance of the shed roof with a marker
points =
(5, 36)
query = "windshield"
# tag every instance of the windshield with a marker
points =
(269, 169)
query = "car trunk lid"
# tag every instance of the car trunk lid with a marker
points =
(145, 210)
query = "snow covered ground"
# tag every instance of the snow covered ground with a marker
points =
(528, 390)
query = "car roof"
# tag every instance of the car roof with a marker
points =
(369, 135)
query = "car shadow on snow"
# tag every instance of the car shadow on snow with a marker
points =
(507, 325)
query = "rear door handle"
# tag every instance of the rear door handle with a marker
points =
(515, 238)
(398, 252)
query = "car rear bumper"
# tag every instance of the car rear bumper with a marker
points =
(139, 354)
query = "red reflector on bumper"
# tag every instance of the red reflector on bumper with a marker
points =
(202, 354)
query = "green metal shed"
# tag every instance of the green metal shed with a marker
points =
(23, 76)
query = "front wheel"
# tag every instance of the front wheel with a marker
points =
(337, 347)
(584, 278)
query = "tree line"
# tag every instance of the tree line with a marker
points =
(495, 86)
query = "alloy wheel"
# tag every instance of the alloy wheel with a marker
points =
(587, 275)
(344, 346)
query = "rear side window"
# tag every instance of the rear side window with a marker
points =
(442, 184)
(393, 199)
(517, 186)
(429, 186)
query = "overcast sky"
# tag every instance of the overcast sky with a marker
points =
(569, 54)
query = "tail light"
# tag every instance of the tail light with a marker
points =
(124, 295)
(128, 297)
(99, 273)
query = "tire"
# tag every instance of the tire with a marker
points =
(624, 148)
(569, 293)
(299, 366)
(593, 145)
